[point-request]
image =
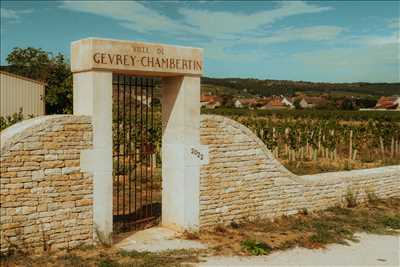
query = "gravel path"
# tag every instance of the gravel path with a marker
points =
(372, 250)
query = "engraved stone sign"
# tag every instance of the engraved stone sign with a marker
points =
(127, 56)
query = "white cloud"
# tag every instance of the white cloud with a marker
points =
(132, 15)
(222, 49)
(393, 37)
(13, 16)
(217, 30)
(382, 40)
(374, 63)
(394, 23)
(311, 33)
(198, 22)
(220, 24)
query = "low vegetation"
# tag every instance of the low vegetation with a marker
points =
(306, 229)
(103, 257)
(255, 247)
(7, 121)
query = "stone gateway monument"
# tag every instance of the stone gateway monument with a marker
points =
(94, 62)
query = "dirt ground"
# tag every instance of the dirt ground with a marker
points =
(371, 250)
(308, 230)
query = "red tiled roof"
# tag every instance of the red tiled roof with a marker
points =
(387, 102)
(248, 101)
(276, 102)
(209, 98)
(315, 100)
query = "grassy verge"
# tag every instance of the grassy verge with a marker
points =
(325, 165)
(103, 257)
(307, 229)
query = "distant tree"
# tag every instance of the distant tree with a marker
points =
(227, 101)
(59, 87)
(366, 102)
(29, 62)
(38, 64)
(296, 103)
(347, 104)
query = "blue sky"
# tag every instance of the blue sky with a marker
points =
(326, 41)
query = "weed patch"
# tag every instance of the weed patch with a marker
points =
(104, 257)
(392, 221)
(255, 247)
(351, 199)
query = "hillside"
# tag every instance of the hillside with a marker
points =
(236, 86)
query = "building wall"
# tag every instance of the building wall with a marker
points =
(19, 92)
(244, 181)
(45, 197)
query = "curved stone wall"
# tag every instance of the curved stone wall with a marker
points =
(243, 180)
(45, 198)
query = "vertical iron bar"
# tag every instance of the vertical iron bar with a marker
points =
(136, 136)
(118, 144)
(146, 154)
(153, 146)
(141, 147)
(124, 144)
(130, 145)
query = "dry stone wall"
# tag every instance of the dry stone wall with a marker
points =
(45, 198)
(244, 181)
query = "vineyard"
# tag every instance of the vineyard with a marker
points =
(309, 114)
(310, 141)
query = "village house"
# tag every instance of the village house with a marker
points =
(280, 102)
(245, 102)
(210, 101)
(312, 102)
(390, 102)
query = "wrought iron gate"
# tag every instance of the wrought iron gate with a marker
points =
(136, 194)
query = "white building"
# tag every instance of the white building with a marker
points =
(238, 104)
(287, 102)
(18, 92)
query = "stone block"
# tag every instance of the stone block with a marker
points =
(55, 171)
(50, 157)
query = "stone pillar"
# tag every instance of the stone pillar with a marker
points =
(93, 97)
(181, 133)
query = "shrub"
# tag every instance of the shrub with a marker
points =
(371, 196)
(256, 247)
(392, 221)
(351, 199)
(7, 121)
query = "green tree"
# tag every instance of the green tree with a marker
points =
(296, 103)
(38, 64)
(347, 104)
(29, 62)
